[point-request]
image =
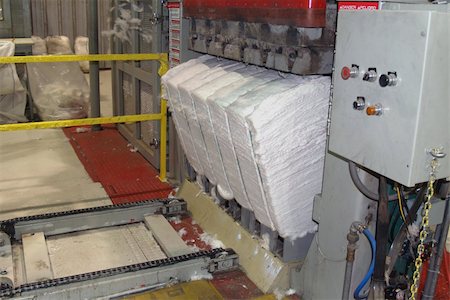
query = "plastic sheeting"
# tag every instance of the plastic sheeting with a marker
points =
(9, 81)
(12, 93)
(82, 48)
(262, 133)
(59, 90)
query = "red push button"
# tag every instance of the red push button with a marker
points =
(346, 73)
(352, 72)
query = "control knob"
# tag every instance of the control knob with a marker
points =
(370, 75)
(359, 103)
(389, 79)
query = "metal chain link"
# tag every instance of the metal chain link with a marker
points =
(423, 232)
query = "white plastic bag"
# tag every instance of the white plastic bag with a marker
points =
(59, 90)
(12, 108)
(9, 81)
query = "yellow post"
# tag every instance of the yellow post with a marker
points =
(163, 147)
(163, 68)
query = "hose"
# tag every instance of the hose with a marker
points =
(361, 187)
(373, 246)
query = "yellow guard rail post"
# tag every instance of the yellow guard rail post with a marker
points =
(162, 116)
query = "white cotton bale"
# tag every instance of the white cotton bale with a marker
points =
(39, 46)
(218, 102)
(82, 48)
(185, 89)
(289, 136)
(211, 137)
(237, 111)
(171, 81)
(58, 45)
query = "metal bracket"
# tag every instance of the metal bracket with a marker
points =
(155, 143)
(224, 261)
(155, 19)
(91, 218)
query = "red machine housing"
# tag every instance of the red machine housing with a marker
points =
(297, 13)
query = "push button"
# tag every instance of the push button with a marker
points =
(371, 75)
(359, 103)
(389, 79)
(347, 72)
(374, 110)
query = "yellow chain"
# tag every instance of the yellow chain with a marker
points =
(423, 233)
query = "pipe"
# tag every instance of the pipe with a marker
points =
(382, 231)
(373, 247)
(361, 187)
(436, 260)
(352, 238)
(94, 76)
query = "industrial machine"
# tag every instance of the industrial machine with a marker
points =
(383, 208)
(388, 130)
(388, 124)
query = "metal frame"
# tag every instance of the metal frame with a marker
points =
(162, 58)
(88, 219)
(150, 150)
(103, 283)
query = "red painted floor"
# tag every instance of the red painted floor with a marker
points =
(127, 177)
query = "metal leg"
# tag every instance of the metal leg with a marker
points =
(245, 218)
(94, 76)
(295, 250)
(253, 224)
(269, 236)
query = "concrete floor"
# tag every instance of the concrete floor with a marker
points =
(41, 173)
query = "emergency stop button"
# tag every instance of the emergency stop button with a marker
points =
(350, 72)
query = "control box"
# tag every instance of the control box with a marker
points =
(391, 85)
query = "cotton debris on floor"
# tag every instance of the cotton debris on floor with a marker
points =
(260, 135)
(211, 240)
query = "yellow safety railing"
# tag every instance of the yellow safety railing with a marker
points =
(163, 60)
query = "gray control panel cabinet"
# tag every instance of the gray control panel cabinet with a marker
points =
(413, 48)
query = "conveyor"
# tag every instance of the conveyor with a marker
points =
(102, 283)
